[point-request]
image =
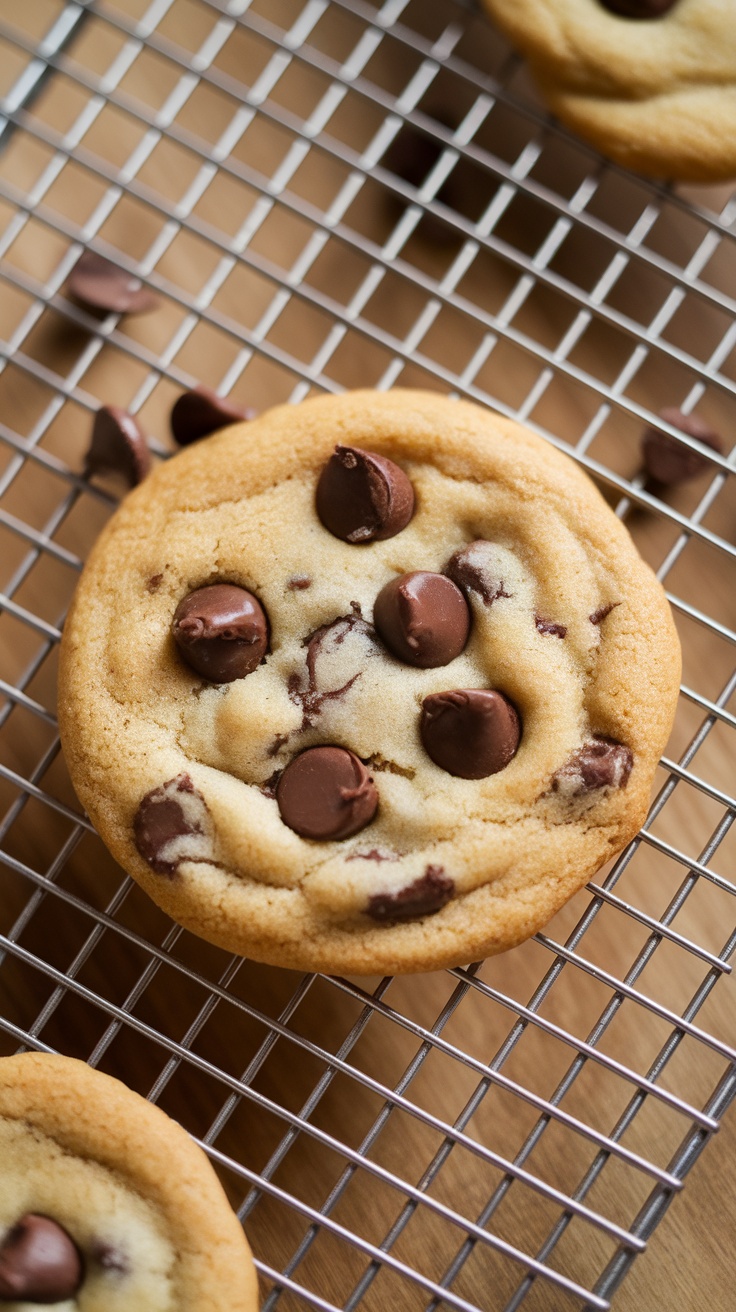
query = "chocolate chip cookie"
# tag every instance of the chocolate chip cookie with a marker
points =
(106, 1204)
(374, 683)
(652, 83)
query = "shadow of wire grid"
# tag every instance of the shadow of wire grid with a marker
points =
(494, 1137)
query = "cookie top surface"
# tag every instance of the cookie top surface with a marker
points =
(106, 1203)
(485, 741)
(652, 83)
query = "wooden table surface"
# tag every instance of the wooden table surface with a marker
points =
(688, 1264)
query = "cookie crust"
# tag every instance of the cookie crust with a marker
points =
(656, 95)
(515, 846)
(125, 1181)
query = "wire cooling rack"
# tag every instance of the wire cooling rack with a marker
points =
(365, 192)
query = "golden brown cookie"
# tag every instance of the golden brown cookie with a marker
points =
(373, 683)
(107, 1205)
(652, 83)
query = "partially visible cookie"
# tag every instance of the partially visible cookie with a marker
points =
(107, 1205)
(372, 683)
(652, 83)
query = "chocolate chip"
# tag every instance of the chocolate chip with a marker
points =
(468, 570)
(200, 412)
(373, 855)
(99, 284)
(599, 763)
(666, 460)
(221, 631)
(638, 8)
(363, 497)
(110, 1258)
(423, 619)
(427, 895)
(600, 614)
(548, 626)
(39, 1262)
(154, 583)
(171, 825)
(470, 732)
(117, 445)
(326, 793)
(299, 582)
(312, 698)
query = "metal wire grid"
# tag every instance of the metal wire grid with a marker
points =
(383, 63)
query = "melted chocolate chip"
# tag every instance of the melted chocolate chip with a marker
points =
(98, 284)
(427, 895)
(666, 460)
(548, 626)
(171, 825)
(311, 698)
(154, 583)
(470, 732)
(326, 793)
(200, 412)
(423, 619)
(299, 582)
(599, 763)
(39, 1262)
(110, 1258)
(373, 855)
(638, 8)
(221, 631)
(363, 497)
(467, 569)
(118, 445)
(600, 614)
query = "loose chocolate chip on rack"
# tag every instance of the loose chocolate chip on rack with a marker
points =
(427, 895)
(363, 497)
(639, 8)
(423, 619)
(467, 570)
(200, 412)
(326, 793)
(99, 284)
(39, 1262)
(470, 732)
(171, 824)
(221, 631)
(669, 463)
(549, 626)
(599, 763)
(117, 445)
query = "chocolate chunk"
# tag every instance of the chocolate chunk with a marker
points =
(669, 463)
(326, 793)
(427, 895)
(600, 614)
(39, 1262)
(600, 763)
(117, 445)
(423, 619)
(470, 732)
(467, 569)
(200, 412)
(171, 825)
(221, 631)
(363, 497)
(98, 284)
(299, 582)
(548, 626)
(639, 8)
